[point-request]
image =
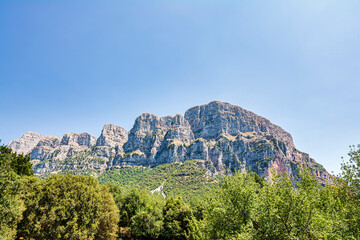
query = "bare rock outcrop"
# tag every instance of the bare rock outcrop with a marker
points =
(26, 143)
(112, 136)
(211, 120)
(78, 139)
(152, 136)
(45, 148)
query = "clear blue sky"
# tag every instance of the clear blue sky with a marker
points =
(72, 66)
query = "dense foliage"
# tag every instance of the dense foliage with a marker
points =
(12, 168)
(186, 179)
(68, 207)
(62, 207)
(241, 206)
(245, 208)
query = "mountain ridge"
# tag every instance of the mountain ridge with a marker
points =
(227, 137)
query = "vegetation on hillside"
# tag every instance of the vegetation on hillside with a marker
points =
(188, 179)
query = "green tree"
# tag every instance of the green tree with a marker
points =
(245, 207)
(140, 215)
(177, 217)
(68, 207)
(348, 193)
(18, 163)
(117, 193)
(109, 216)
(286, 212)
(351, 168)
(131, 204)
(11, 205)
(12, 167)
(229, 209)
(146, 223)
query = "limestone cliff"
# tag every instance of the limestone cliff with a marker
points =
(26, 143)
(112, 136)
(226, 136)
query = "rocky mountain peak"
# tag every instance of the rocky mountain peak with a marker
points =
(146, 122)
(112, 136)
(81, 139)
(216, 118)
(26, 143)
(149, 131)
(179, 129)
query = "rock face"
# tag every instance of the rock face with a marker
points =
(54, 154)
(216, 118)
(154, 140)
(44, 149)
(227, 137)
(26, 143)
(112, 136)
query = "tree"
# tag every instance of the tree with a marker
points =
(117, 193)
(146, 223)
(245, 207)
(109, 216)
(348, 193)
(140, 215)
(351, 168)
(288, 212)
(11, 205)
(68, 207)
(12, 167)
(177, 217)
(228, 209)
(132, 203)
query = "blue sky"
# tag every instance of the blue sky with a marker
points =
(73, 66)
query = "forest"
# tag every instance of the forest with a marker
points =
(241, 206)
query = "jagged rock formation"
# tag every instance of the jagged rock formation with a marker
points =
(44, 149)
(112, 136)
(26, 143)
(154, 140)
(227, 137)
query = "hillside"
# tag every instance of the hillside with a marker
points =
(187, 179)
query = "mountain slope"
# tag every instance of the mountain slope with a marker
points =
(226, 137)
(187, 179)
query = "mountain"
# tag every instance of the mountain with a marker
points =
(26, 143)
(224, 137)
